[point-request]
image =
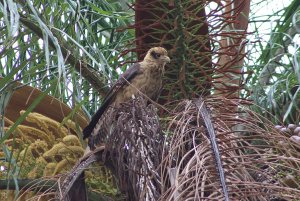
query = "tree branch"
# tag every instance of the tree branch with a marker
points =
(82, 67)
(85, 69)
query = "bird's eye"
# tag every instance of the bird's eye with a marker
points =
(155, 55)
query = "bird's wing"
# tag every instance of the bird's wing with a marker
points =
(122, 81)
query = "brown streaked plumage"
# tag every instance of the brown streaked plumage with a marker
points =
(144, 77)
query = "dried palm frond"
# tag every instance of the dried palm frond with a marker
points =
(144, 145)
(209, 151)
(253, 157)
(133, 145)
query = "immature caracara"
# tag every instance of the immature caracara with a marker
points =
(144, 77)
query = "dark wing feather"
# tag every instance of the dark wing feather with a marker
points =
(122, 81)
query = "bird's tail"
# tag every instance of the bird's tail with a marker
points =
(87, 131)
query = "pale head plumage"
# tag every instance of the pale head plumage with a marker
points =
(157, 55)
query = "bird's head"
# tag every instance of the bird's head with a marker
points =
(158, 55)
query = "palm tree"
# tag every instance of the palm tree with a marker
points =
(74, 51)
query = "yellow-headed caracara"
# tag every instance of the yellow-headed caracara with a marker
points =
(144, 77)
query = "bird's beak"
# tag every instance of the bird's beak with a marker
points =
(166, 59)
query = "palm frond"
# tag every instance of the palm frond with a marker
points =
(257, 162)
(254, 159)
(274, 83)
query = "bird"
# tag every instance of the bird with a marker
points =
(143, 77)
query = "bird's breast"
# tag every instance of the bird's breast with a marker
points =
(149, 83)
